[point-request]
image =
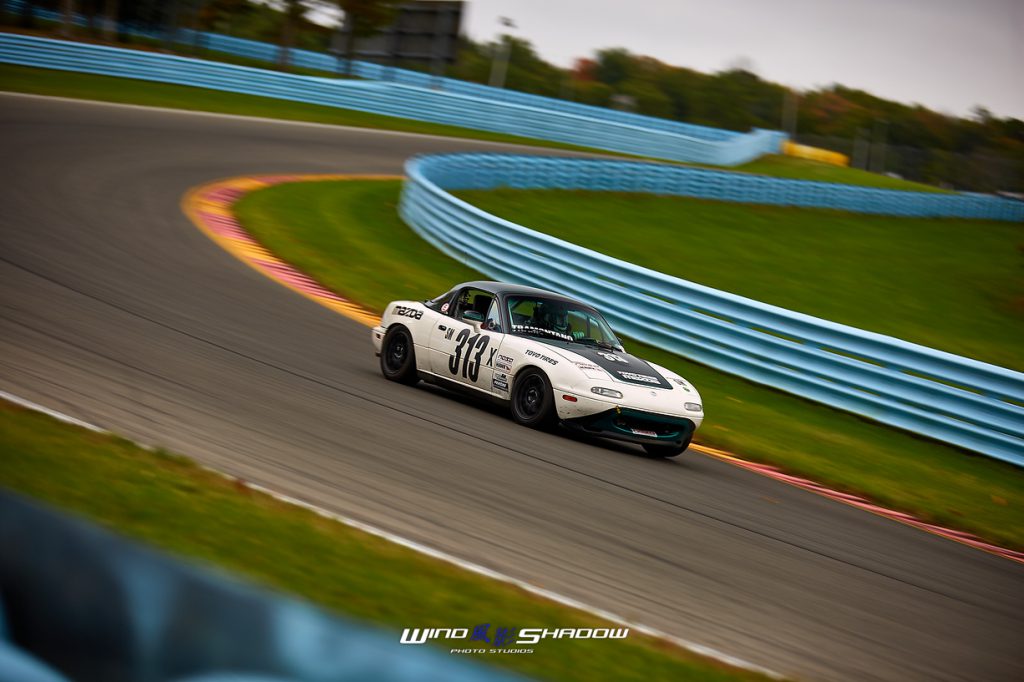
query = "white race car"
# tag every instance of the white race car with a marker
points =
(548, 357)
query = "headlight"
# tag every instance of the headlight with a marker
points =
(692, 407)
(607, 392)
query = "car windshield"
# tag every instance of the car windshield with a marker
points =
(563, 320)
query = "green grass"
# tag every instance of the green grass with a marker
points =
(804, 169)
(348, 236)
(956, 285)
(129, 91)
(169, 502)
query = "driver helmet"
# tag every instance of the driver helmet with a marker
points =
(555, 317)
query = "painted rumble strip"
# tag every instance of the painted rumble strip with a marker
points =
(768, 470)
(209, 207)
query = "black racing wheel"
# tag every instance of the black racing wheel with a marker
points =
(398, 357)
(533, 403)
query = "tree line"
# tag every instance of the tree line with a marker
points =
(981, 152)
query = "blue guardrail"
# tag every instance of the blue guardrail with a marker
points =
(266, 52)
(530, 120)
(963, 402)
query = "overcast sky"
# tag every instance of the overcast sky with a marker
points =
(946, 54)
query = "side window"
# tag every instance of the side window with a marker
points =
(493, 321)
(471, 299)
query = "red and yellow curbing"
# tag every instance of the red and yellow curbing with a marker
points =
(209, 208)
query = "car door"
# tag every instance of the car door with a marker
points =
(463, 350)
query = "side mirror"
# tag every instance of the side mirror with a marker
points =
(474, 317)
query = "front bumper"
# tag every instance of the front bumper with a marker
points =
(636, 426)
(378, 338)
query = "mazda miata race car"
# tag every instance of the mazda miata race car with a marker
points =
(548, 357)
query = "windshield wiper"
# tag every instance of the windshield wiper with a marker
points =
(586, 341)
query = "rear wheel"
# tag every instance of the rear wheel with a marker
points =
(533, 404)
(398, 357)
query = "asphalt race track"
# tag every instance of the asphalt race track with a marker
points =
(116, 310)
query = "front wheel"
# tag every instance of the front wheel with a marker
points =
(398, 357)
(533, 403)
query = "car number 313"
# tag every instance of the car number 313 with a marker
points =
(464, 352)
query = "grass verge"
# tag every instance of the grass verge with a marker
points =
(805, 169)
(128, 91)
(951, 284)
(170, 502)
(347, 235)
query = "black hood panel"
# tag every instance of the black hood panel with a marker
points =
(622, 366)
